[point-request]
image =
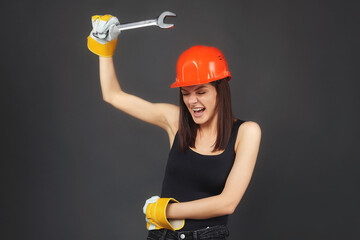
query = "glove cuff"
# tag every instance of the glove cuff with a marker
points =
(160, 215)
(103, 50)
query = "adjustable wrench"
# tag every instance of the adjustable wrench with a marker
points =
(154, 22)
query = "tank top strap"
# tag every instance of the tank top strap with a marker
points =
(234, 133)
(175, 144)
(236, 126)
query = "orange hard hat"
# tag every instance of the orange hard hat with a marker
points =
(199, 65)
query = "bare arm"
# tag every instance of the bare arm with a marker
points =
(160, 114)
(199, 209)
(239, 177)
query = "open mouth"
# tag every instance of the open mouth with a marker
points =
(198, 112)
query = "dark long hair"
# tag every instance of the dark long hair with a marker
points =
(188, 128)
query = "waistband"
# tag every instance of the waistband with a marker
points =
(205, 233)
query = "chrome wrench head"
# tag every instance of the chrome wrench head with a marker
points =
(160, 20)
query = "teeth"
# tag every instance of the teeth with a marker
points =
(197, 109)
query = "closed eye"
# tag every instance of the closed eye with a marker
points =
(200, 93)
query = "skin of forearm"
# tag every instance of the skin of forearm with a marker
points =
(108, 80)
(199, 209)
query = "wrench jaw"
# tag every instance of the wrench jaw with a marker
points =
(160, 20)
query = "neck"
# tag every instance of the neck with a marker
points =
(209, 129)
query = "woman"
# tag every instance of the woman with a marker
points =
(212, 154)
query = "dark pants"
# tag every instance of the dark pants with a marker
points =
(218, 232)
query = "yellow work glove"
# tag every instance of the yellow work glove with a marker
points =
(103, 37)
(155, 211)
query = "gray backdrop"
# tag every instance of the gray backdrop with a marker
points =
(73, 167)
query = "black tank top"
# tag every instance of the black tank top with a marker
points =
(190, 176)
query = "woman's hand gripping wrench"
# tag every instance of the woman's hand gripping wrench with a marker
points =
(111, 32)
(106, 29)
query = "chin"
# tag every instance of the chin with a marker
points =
(201, 120)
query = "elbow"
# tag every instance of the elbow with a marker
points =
(230, 209)
(106, 98)
(109, 97)
(229, 206)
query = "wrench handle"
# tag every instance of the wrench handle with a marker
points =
(134, 25)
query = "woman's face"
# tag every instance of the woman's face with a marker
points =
(200, 101)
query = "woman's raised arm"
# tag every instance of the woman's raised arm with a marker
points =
(163, 115)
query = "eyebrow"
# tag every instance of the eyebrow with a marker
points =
(194, 90)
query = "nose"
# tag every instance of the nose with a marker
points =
(192, 99)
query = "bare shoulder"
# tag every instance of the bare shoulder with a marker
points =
(250, 126)
(249, 132)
